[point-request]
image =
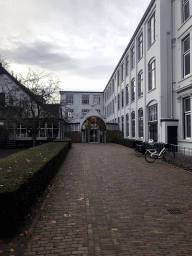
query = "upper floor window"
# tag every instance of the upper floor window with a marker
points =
(127, 94)
(127, 65)
(118, 77)
(140, 46)
(140, 83)
(69, 98)
(186, 11)
(84, 112)
(152, 74)
(118, 101)
(133, 57)
(122, 71)
(85, 99)
(186, 56)
(133, 89)
(70, 113)
(151, 30)
(96, 100)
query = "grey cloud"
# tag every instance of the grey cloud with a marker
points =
(42, 54)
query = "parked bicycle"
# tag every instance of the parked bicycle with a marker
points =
(140, 149)
(151, 155)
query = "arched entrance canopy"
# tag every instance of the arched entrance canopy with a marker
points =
(94, 129)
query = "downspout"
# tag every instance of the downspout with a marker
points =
(172, 56)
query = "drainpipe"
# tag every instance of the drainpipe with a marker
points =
(172, 55)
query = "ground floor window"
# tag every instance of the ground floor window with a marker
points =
(133, 123)
(122, 124)
(187, 118)
(153, 122)
(140, 116)
(127, 125)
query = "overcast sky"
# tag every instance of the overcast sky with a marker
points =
(79, 41)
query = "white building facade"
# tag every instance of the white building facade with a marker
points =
(149, 94)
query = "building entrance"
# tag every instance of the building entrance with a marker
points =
(94, 130)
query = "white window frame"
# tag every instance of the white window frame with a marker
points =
(140, 46)
(151, 30)
(184, 6)
(133, 89)
(186, 56)
(85, 99)
(140, 122)
(140, 84)
(133, 57)
(187, 117)
(152, 74)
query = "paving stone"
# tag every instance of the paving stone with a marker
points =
(107, 201)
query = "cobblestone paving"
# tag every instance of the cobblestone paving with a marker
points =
(107, 201)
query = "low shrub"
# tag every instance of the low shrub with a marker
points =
(76, 137)
(127, 142)
(23, 176)
(114, 136)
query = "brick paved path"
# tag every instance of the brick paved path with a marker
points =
(107, 201)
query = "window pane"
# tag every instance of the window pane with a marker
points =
(187, 64)
(186, 44)
(188, 126)
(186, 12)
(187, 105)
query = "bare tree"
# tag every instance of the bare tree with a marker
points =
(33, 100)
(5, 64)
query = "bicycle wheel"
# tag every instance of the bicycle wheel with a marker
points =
(168, 156)
(137, 153)
(148, 157)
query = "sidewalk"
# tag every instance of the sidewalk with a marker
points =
(107, 201)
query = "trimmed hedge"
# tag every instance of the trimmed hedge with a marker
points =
(128, 142)
(113, 136)
(23, 176)
(76, 137)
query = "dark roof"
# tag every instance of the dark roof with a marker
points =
(25, 89)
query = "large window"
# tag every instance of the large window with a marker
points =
(96, 100)
(140, 83)
(186, 11)
(140, 46)
(85, 99)
(127, 125)
(118, 101)
(133, 57)
(70, 113)
(122, 71)
(187, 117)
(133, 89)
(133, 124)
(118, 78)
(122, 124)
(69, 98)
(140, 116)
(127, 65)
(122, 98)
(127, 94)
(151, 30)
(84, 112)
(152, 122)
(152, 74)
(186, 56)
